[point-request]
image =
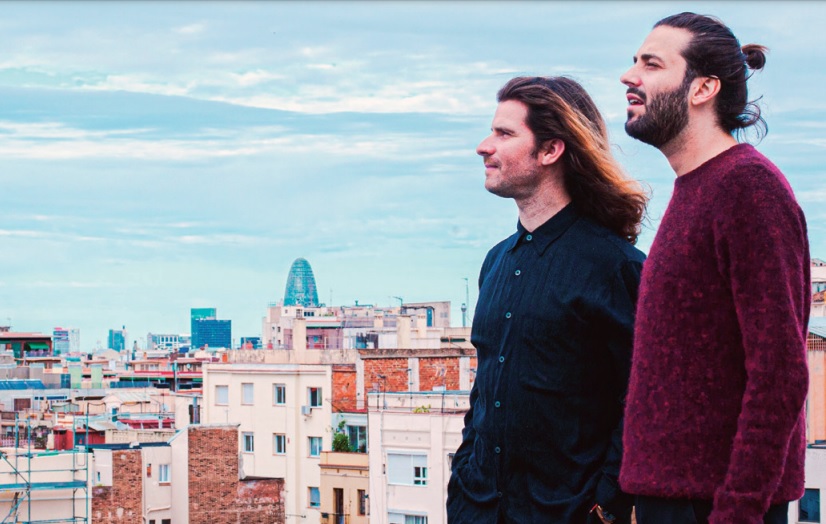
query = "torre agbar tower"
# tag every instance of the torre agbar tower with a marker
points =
(301, 289)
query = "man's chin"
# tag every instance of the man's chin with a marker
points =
(497, 190)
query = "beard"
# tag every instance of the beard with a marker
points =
(664, 118)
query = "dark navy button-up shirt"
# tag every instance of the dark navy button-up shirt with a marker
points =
(553, 334)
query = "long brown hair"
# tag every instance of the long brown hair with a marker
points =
(559, 107)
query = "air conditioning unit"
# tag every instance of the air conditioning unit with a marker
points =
(306, 410)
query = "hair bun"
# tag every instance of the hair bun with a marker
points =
(755, 56)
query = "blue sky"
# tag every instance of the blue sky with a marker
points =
(158, 156)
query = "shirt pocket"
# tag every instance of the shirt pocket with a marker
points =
(552, 362)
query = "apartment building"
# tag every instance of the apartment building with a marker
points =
(284, 422)
(344, 488)
(412, 439)
(816, 399)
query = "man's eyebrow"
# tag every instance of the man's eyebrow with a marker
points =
(502, 129)
(650, 56)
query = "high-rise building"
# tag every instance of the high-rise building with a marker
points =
(212, 332)
(66, 340)
(200, 313)
(301, 288)
(117, 339)
(168, 342)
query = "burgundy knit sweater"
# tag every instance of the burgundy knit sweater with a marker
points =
(719, 378)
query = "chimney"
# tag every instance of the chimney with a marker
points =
(421, 325)
(299, 334)
(403, 328)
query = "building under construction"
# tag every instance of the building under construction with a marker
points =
(40, 486)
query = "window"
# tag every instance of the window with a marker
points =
(407, 469)
(279, 444)
(450, 460)
(419, 475)
(166, 521)
(163, 473)
(315, 446)
(315, 497)
(247, 396)
(221, 395)
(357, 435)
(249, 442)
(809, 506)
(362, 509)
(399, 518)
(279, 394)
(315, 397)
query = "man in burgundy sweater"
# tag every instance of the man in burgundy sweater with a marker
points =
(714, 422)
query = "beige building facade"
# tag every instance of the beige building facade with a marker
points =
(284, 422)
(344, 488)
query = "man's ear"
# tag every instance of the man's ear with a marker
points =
(551, 151)
(703, 90)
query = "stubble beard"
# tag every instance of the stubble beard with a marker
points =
(664, 118)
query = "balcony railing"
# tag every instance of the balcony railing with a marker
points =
(335, 518)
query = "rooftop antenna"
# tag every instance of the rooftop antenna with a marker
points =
(466, 305)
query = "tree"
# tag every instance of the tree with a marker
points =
(340, 440)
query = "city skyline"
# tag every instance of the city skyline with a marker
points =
(158, 157)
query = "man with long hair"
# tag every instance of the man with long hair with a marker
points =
(714, 425)
(553, 325)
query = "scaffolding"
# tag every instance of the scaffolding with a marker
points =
(23, 468)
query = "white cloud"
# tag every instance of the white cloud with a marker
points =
(191, 29)
(73, 284)
(813, 195)
(57, 130)
(258, 76)
(22, 233)
(139, 83)
(56, 141)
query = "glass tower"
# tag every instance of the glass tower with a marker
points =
(301, 290)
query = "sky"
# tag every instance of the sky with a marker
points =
(160, 156)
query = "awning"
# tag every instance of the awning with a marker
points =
(37, 346)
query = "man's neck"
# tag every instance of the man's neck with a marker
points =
(541, 206)
(695, 146)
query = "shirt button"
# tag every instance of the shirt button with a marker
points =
(499, 494)
(517, 272)
(529, 238)
(508, 314)
(497, 403)
(501, 359)
(497, 449)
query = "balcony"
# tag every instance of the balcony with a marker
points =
(335, 518)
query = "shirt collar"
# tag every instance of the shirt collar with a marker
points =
(545, 235)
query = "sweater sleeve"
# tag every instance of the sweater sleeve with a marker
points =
(762, 248)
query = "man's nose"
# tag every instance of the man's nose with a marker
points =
(485, 148)
(630, 77)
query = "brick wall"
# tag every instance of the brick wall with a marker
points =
(395, 371)
(436, 372)
(216, 495)
(344, 388)
(120, 502)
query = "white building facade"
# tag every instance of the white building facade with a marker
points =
(412, 439)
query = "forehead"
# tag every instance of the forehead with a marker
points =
(667, 44)
(511, 114)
